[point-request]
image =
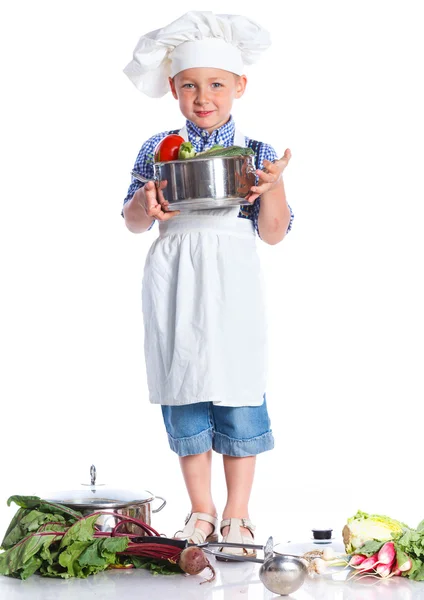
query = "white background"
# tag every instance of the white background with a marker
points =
(341, 88)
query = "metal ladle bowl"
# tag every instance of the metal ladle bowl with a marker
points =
(283, 574)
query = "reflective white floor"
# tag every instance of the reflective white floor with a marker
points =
(235, 581)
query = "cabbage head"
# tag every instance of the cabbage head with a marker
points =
(364, 527)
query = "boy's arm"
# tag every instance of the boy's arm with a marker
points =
(274, 214)
(146, 206)
(136, 218)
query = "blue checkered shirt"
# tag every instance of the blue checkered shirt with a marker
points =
(202, 140)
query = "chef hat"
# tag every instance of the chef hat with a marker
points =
(197, 39)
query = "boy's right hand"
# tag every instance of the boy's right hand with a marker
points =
(154, 202)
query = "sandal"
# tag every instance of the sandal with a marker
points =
(234, 536)
(194, 534)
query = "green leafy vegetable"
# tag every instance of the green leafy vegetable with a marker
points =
(33, 514)
(21, 559)
(81, 531)
(369, 548)
(411, 545)
(186, 151)
(157, 567)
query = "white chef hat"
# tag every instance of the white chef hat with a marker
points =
(197, 39)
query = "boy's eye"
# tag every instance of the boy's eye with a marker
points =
(188, 85)
(216, 84)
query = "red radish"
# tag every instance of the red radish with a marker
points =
(356, 560)
(193, 561)
(396, 571)
(368, 564)
(387, 554)
(405, 566)
(383, 570)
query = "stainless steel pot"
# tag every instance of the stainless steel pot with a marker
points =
(200, 183)
(98, 497)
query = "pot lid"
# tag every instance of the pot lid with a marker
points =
(98, 495)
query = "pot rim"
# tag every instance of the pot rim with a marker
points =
(101, 503)
(203, 158)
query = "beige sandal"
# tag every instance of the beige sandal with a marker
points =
(194, 534)
(234, 536)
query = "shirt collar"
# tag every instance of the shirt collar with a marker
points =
(220, 135)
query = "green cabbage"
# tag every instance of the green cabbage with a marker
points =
(364, 527)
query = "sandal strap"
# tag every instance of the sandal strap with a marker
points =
(247, 523)
(190, 522)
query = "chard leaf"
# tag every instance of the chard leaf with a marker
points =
(81, 531)
(35, 519)
(92, 556)
(69, 559)
(31, 566)
(102, 552)
(44, 506)
(24, 501)
(14, 561)
(14, 532)
(156, 567)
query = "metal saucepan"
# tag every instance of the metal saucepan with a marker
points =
(200, 183)
(91, 498)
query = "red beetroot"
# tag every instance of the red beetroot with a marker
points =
(193, 561)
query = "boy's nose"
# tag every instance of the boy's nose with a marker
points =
(201, 97)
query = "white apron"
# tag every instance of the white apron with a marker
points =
(203, 310)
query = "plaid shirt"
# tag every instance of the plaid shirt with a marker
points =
(202, 140)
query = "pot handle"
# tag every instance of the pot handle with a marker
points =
(161, 506)
(139, 177)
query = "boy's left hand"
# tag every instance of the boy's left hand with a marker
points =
(269, 176)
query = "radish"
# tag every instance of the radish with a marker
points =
(387, 554)
(405, 566)
(383, 570)
(368, 564)
(356, 560)
(193, 561)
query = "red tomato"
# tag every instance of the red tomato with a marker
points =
(167, 149)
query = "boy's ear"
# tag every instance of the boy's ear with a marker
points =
(241, 86)
(173, 89)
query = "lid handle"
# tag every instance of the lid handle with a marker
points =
(93, 475)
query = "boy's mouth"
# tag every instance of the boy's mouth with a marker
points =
(203, 113)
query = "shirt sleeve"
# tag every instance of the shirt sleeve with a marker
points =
(144, 166)
(266, 152)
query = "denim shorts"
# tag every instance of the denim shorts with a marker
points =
(235, 431)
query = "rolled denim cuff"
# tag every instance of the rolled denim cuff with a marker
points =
(232, 447)
(195, 444)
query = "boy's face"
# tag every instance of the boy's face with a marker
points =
(206, 95)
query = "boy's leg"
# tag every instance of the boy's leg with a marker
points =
(190, 433)
(240, 434)
(239, 473)
(197, 470)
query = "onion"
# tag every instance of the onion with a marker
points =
(193, 561)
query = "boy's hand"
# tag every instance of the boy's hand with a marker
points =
(269, 176)
(155, 204)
